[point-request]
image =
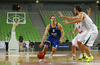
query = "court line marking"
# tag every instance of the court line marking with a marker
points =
(56, 55)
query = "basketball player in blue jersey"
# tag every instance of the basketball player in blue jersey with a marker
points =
(55, 37)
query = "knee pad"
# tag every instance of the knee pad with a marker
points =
(47, 43)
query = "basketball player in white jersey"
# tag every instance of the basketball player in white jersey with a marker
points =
(80, 36)
(90, 27)
(81, 28)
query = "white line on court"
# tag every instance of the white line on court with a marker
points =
(56, 55)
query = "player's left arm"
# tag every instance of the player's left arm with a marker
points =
(62, 31)
(75, 29)
(89, 11)
(81, 15)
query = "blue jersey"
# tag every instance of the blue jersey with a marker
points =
(54, 37)
(54, 32)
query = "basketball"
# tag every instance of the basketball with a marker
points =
(40, 55)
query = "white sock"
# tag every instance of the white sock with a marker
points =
(40, 60)
(90, 55)
(50, 56)
(73, 54)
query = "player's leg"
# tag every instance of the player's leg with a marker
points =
(20, 49)
(6, 45)
(74, 51)
(86, 49)
(46, 45)
(74, 45)
(89, 40)
(90, 57)
(82, 51)
(79, 47)
(45, 49)
(55, 45)
(53, 51)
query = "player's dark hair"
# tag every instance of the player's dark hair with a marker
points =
(29, 40)
(78, 7)
(51, 16)
(8, 35)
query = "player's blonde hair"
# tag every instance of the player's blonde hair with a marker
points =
(52, 16)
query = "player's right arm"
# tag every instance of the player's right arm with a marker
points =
(67, 17)
(75, 29)
(44, 36)
(80, 17)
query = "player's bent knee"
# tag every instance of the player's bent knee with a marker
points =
(82, 45)
(79, 43)
(73, 46)
(53, 49)
(45, 46)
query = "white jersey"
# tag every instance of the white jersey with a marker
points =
(87, 31)
(80, 27)
(88, 22)
(92, 30)
(82, 32)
